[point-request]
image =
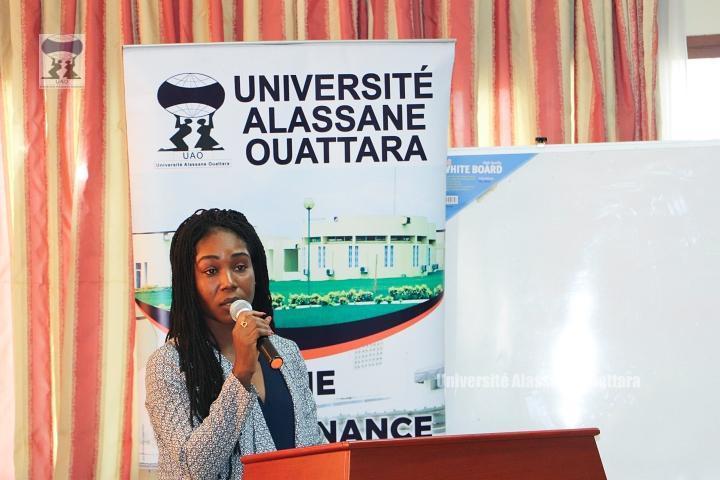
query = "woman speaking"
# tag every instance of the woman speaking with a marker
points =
(210, 395)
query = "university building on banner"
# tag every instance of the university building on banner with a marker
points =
(340, 248)
(353, 247)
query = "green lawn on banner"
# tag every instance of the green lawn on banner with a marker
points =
(383, 284)
(332, 314)
(324, 315)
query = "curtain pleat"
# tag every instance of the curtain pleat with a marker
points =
(571, 71)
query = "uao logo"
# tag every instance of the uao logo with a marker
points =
(193, 99)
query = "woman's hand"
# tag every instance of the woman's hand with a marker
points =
(250, 326)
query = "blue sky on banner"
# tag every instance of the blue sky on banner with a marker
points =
(471, 175)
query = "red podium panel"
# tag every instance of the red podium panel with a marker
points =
(548, 454)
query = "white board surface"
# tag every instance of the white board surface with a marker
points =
(584, 291)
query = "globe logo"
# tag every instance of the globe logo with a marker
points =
(62, 49)
(192, 98)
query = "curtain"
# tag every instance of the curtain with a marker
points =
(572, 71)
(672, 69)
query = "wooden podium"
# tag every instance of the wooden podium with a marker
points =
(548, 454)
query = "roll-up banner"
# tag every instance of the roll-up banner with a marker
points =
(335, 152)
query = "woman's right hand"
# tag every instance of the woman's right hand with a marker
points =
(249, 327)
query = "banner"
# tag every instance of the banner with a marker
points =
(336, 152)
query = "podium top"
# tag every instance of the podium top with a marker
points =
(540, 455)
(438, 440)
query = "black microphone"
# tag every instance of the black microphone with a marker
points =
(263, 344)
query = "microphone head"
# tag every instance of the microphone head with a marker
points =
(239, 306)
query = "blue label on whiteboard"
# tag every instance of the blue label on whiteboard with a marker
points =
(469, 176)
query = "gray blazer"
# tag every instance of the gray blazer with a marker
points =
(206, 451)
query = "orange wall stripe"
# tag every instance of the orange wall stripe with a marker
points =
(431, 19)
(625, 103)
(238, 21)
(416, 15)
(215, 14)
(272, 23)
(312, 353)
(403, 13)
(548, 71)
(69, 14)
(65, 169)
(40, 415)
(126, 17)
(127, 466)
(135, 14)
(140, 23)
(596, 128)
(652, 114)
(362, 21)
(462, 111)
(347, 21)
(168, 21)
(503, 74)
(379, 19)
(184, 11)
(317, 20)
(637, 70)
(89, 254)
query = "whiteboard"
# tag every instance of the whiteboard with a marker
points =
(584, 291)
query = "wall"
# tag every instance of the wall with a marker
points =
(702, 17)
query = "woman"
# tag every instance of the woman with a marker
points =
(211, 397)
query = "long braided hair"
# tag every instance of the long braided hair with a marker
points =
(198, 350)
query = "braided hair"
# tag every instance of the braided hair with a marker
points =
(197, 348)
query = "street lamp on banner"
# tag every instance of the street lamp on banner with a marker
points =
(309, 203)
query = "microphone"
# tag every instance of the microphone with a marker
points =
(263, 344)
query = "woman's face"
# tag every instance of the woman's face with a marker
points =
(223, 273)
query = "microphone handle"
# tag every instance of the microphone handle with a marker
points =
(271, 355)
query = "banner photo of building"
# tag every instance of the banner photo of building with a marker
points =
(336, 153)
